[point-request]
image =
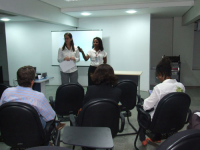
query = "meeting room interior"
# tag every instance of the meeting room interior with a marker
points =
(136, 35)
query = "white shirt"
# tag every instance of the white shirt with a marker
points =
(159, 91)
(69, 53)
(96, 57)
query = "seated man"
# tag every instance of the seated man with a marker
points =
(167, 85)
(25, 94)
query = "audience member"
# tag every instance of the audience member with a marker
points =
(25, 94)
(194, 122)
(104, 79)
(167, 85)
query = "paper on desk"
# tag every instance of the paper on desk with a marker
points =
(150, 91)
(197, 113)
(66, 65)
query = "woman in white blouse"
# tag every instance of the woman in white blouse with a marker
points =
(69, 52)
(167, 85)
(97, 56)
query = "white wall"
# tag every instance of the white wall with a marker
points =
(196, 51)
(126, 39)
(3, 54)
(29, 43)
(161, 42)
(181, 42)
(183, 45)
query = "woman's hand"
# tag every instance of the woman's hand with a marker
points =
(67, 58)
(80, 49)
(85, 57)
(72, 58)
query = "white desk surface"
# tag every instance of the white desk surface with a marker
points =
(43, 80)
(135, 73)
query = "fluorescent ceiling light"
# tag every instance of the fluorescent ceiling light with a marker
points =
(131, 11)
(85, 14)
(5, 19)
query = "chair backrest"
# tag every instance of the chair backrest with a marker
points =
(188, 139)
(20, 125)
(2, 88)
(171, 113)
(100, 113)
(69, 98)
(129, 94)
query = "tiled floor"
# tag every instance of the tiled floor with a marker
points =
(127, 142)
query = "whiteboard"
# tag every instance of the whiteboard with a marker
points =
(83, 39)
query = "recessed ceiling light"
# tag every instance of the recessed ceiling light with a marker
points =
(5, 19)
(85, 14)
(131, 11)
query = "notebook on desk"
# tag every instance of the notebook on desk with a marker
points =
(150, 91)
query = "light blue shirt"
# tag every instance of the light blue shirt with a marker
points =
(31, 97)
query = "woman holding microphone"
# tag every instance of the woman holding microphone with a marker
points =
(97, 56)
(66, 53)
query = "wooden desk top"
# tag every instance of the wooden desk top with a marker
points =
(135, 73)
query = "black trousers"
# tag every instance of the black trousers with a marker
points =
(91, 70)
(156, 136)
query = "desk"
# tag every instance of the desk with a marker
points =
(39, 84)
(92, 137)
(130, 75)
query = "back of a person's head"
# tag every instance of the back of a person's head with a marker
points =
(104, 74)
(164, 67)
(25, 75)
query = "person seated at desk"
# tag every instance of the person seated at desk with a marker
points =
(25, 94)
(104, 79)
(167, 85)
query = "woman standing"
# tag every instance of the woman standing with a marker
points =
(97, 56)
(66, 53)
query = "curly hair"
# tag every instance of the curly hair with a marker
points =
(100, 43)
(104, 74)
(71, 43)
(164, 68)
(25, 75)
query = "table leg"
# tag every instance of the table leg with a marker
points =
(43, 88)
(40, 87)
(138, 85)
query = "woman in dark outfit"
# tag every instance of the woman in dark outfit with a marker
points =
(104, 79)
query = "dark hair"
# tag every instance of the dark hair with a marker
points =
(164, 68)
(104, 73)
(71, 43)
(100, 43)
(25, 75)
